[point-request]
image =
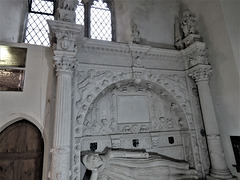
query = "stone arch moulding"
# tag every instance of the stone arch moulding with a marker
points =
(14, 117)
(91, 83)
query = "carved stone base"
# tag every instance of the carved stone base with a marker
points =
(208, 177)
(191, 38)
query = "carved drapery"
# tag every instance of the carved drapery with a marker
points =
(200, 71)
(64, 36)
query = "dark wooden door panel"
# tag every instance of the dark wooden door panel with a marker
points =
(21, 152)
(6, 169)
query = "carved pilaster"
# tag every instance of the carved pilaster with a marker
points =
(64, 36)
(201, 74)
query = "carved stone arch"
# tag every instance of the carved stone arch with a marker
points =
(93, 84)
(144, 85)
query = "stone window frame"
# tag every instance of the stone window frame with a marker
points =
(87, 19)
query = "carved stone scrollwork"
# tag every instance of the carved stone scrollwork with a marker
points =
(200, 72)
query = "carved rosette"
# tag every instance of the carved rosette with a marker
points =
(200, 72)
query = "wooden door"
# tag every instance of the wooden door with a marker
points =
(21, 152)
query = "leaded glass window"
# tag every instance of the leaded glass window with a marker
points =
(37, 28)
(96, 17)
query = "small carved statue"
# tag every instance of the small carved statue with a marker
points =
(135, 34)
(188, 23)
(130, 165)
(69, 4)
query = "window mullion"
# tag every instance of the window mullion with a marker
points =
(87, 14)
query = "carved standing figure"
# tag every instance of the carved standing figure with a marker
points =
(126, 165)
(188, 23)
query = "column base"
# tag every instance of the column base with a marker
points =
(208, 177)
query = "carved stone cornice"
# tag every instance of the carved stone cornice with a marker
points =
(200, 72)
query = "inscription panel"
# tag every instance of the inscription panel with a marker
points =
(133, 109)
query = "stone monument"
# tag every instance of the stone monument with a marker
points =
(130, 165)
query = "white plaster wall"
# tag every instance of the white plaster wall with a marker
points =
(224, 83)
(35, 101)
(12, 15)
(154, 18)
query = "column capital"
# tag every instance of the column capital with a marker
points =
(200, 72)
(64, 36)
(64, 61)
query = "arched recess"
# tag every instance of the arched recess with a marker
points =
(157, 122)
(92, 84)
(21, 152)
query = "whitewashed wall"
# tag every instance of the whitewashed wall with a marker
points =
(34, 102)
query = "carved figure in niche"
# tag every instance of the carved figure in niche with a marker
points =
(127, 165)
(135, 34)
(105, 126)
(188, 23)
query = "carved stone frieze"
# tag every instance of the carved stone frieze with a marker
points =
(109, 53)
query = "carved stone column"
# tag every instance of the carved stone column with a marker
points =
(64, 35)
(201, 74)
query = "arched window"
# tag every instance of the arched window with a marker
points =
(37, 28)
(97, 18)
